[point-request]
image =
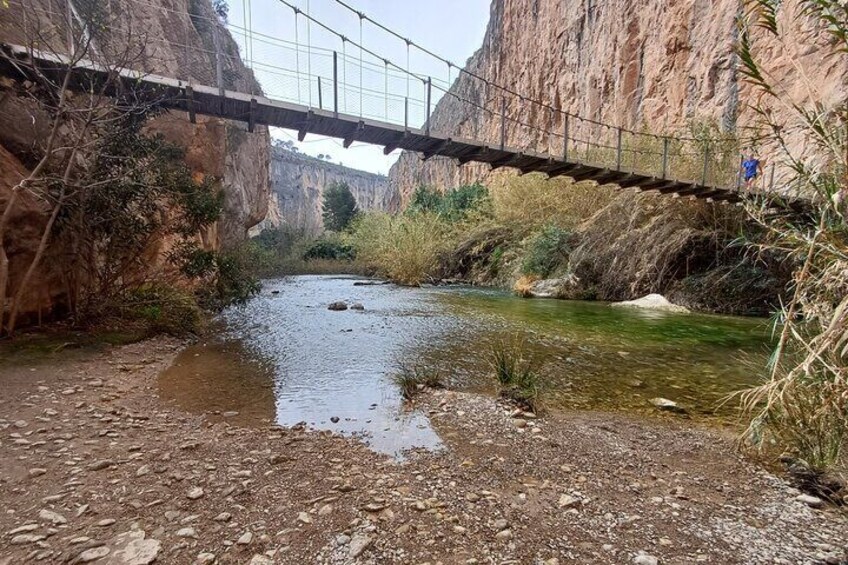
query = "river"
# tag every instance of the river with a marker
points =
(285, 357)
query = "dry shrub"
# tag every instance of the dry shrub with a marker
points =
(531, 201)
(524, 285)
(405, 249)
(639, 243)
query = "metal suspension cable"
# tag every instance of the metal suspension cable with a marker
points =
(389, 62)
(505, 89)
(308, 53)
(297, 54)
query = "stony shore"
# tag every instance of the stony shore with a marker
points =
(96, 468)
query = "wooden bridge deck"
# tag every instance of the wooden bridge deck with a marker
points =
(211, 101)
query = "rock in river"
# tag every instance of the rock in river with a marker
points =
(667, 405)
(337, 306)
(652, 302)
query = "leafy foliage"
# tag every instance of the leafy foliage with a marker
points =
(332, 248)
(803, 404)
(339, 206)
(453, 205)
(547, 250)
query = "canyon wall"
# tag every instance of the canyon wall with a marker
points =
(297, 190)
(653, 65)
(175, 38)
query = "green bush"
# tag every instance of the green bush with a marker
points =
(547, 251)
(453, 205)
(225, 277)
(162, 309)
(329, 247)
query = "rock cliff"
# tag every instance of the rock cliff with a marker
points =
(174, 38)
(297, 189)
(653, 65)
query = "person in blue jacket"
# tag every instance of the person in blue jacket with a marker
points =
(752, 168)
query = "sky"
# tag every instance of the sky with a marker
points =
(453, 29)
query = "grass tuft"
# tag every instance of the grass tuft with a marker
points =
(412, 379)
(515, 375)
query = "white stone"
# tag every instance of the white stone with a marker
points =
(651, 302)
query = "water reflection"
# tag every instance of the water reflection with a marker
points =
(285, 357)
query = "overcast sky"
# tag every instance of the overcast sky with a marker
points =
(453, 29)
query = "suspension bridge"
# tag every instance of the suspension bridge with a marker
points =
(358, 95)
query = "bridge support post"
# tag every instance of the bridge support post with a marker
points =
(429, 100)
(335, 84)
(320, 97)
(665, 159)
(503, 122)
(618, 152)
(406, 114)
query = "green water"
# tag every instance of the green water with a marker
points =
(594, 356)
(285, 357)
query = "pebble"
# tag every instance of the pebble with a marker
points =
(223, 517)
(245, 539)
(205, 558)
(259, 559)
(194, 493)
(304, 517)
(105, 522)
(37, 472)
(53, 517)
(568, 501)
(23, 529)
(358, 544)
(93, 554)
(501, 524)
(325, 510)
(186, 533)
(645, 559)
(504, 534)
(811, 501)
(22, 539)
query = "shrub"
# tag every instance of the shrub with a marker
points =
(162, 309)
(514, 373)
(453, 205)
(547, 250)
(329, 247)
(532, 201)
(405, 249)
(225, 277)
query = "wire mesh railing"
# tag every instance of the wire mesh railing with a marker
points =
(351, 79)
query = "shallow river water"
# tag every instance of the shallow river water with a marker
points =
(284, 356)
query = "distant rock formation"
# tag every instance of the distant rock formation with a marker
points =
(297, 190)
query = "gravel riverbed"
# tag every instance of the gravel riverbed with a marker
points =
(96, 468)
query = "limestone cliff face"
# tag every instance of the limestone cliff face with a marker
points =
(297, 190)
(657, 65)
(174, 38)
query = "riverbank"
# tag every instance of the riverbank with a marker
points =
(90, 452)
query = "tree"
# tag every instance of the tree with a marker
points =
(339, 206)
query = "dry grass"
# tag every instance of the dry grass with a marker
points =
(405, 249)
(532, 201)
(524, 284)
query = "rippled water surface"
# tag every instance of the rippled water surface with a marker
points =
(285, 357)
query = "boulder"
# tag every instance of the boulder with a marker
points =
(337, 306)
(651, 302)
(565, 287)
(357, 306)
